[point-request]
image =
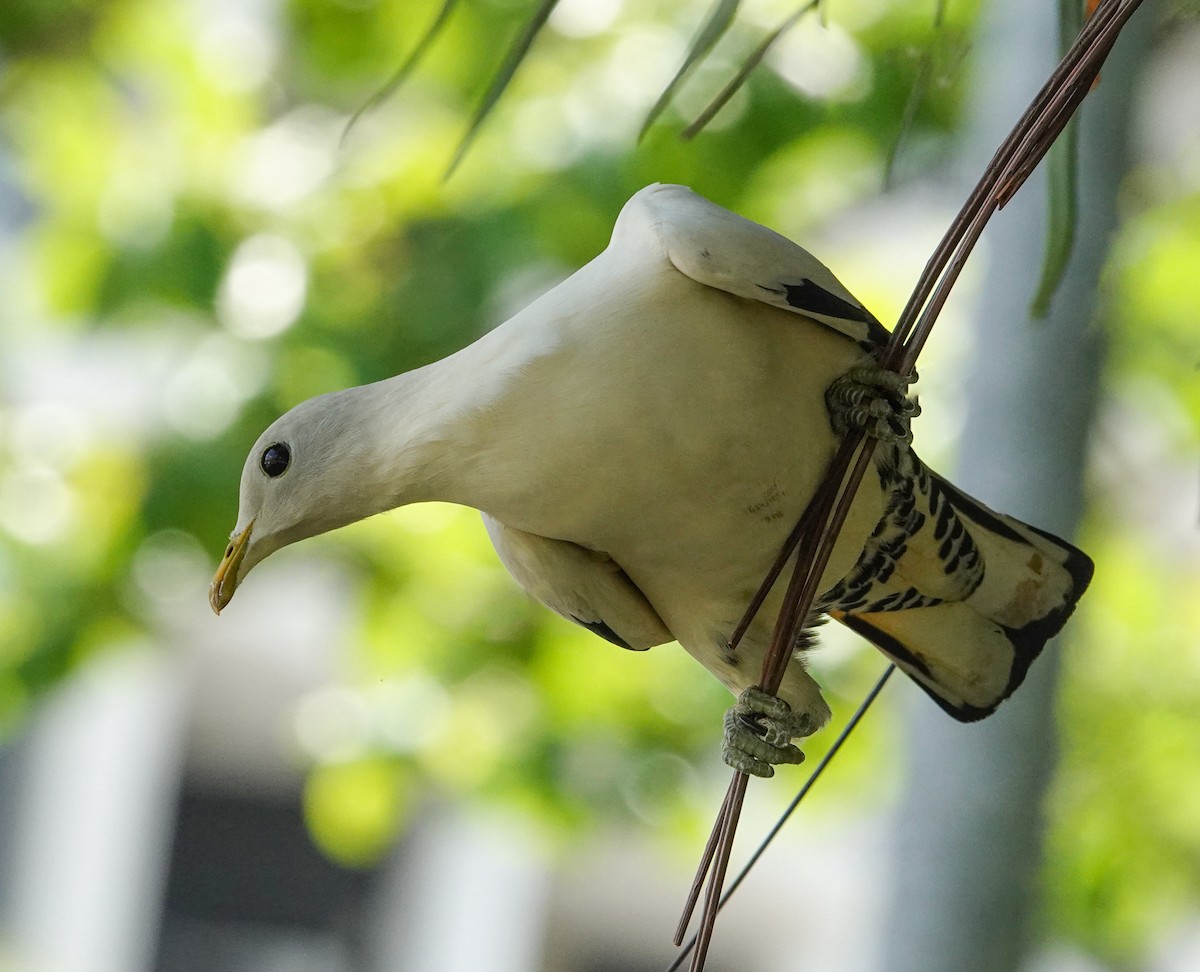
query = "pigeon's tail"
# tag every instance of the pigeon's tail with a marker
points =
(960, 597)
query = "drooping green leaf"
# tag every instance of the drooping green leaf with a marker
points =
(748, 65)
(719, 21)
(917, 93)
(512, 61)
(410, 64)
(1062, 166)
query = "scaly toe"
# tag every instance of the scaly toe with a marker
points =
(874, 400)
(758, 733)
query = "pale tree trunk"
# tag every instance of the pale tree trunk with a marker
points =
(968, 832)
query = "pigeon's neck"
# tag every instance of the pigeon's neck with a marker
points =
(431, 430)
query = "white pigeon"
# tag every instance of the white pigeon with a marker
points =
(643, 437)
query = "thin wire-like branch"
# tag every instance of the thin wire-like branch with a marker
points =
(1016, 158)
(847, 729)
(764, 589)
(710, 850)
(727, 827)
(797, 601)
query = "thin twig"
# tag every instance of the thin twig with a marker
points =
(728, 827)
(706, 858)
(848, 728)
(800, 587)
(1016, 158)
(789, 546)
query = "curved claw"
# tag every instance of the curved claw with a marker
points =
(758, 733)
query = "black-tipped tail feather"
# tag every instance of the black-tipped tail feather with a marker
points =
(977, 595)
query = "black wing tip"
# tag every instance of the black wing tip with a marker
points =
(812, 298)
(809, 296)
(605, 632)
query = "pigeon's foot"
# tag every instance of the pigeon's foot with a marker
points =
(874, 400)
(759, 729)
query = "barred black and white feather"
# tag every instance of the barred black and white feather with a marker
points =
(960, 597)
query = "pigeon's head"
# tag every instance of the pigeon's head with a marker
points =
(305, 475)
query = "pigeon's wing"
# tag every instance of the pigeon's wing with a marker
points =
(728, 252)
(582, 585)
(960, 597)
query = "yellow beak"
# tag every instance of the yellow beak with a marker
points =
(225, 580)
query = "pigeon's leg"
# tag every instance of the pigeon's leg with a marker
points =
(759, 730)
(875, 400)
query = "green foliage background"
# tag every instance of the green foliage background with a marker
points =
(149, 146)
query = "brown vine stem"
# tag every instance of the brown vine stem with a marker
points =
(774, 832)
(815, 535)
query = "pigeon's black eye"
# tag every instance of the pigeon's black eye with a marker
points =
(275, 459)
